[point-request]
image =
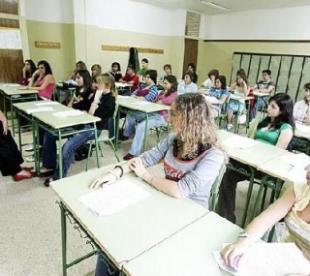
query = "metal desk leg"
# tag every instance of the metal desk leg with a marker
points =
(63, 239)
(19, 133)
(60, 165)
(145, 131)
(12, 117)
(248, 197)
(116, 127)
(96, 143)
(35, 136)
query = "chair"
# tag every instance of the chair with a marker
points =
(214, 193)
(107, 137)
(222, 112)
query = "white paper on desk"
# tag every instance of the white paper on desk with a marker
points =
(143, 103)
(39, 109)
(298, 160)
(68, 113)
(270, 259)
(114, 198)
(43, 103)
(239, 142)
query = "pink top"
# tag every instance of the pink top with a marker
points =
(47, 92)
(167, 100)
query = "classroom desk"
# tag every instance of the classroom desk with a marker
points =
(60, 127)
(253, 157)
(188, 252)
(126, 103)
(15, 93)
(260, 94)
(129, 233)
(302, 130)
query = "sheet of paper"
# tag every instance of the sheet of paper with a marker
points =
(239, 142)
(143, 103)
(43, 103)
(39, 109)
(114, 198)
(68, 113)
(270, 259)
(299, 160)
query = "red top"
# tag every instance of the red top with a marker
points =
(134, 79)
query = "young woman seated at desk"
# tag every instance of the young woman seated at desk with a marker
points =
(192, 159)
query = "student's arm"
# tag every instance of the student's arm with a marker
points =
(269, 89)
(233, 86)
(232, 253)
(4, 122)
(152, 95)
(285, 138)
(48, 79)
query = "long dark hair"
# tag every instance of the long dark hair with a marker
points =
(86, 79)
(286, 106)
(222, 79)
(241, 73)
(48, 69)
(33, 68)
(174, 84)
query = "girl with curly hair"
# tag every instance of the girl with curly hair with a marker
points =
(192, 160)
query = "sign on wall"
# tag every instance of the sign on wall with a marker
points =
(47, 44)
(116, 48)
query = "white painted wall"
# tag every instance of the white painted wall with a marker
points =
(284, 23)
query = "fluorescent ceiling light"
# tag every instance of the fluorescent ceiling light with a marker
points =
(214, 5)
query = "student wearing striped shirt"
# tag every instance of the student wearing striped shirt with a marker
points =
(192, 158)
(148, 93)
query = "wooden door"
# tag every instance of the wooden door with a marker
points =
(190, 53)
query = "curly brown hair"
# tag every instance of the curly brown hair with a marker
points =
(195, 130)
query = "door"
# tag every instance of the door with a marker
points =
(190, 53)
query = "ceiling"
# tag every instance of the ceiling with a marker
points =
(232, 5)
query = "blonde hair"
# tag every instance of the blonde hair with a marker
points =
(193, 122)
(108, 80)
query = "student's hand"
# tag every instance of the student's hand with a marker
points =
(98, 96)
(137, 166)
(5, 126)
(233, 253)
(106, 179)
(36, 73)
(24, 71)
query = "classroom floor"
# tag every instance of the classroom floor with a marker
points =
(30, 236)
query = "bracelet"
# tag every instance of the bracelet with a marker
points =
(121, 168)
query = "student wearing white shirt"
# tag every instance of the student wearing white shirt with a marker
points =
(210, 82)
(187, 85)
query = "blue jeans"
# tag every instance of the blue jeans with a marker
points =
(68, 149)
(102, 269)
(260, 104)
(135, 125)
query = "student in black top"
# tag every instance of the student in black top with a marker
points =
(192, 68)
(116, 71)
(82, 97)
(102, 106)
(11, 161)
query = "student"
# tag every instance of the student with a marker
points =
(43, 80)
(192, 69)
(116, 71)
(187, 85)
(82, 98)
(167, 72)
(263, 86)
(212, 76)
(144, 67)
(148, 93)
(158, 119)
(192, 159)
(131, 78)
(294, 207)
(276, 129)
(80, 65)
(28, 70)
(218, 95)
(302, 108)
(239, 88)
(95, 70)
(11, 161)
(103, 106)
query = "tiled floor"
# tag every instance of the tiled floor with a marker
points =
(30, 238)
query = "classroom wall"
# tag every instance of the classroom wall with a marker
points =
(82, 27)
(219, 54)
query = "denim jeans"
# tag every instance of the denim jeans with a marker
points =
(102, 269)
(260, 104)
(135, 125)
(68, 149)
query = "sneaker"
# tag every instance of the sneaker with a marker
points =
(128, 156)
(242, 119)
(230, 126)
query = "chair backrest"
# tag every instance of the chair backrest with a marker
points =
(112, 127)
(214, 193)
